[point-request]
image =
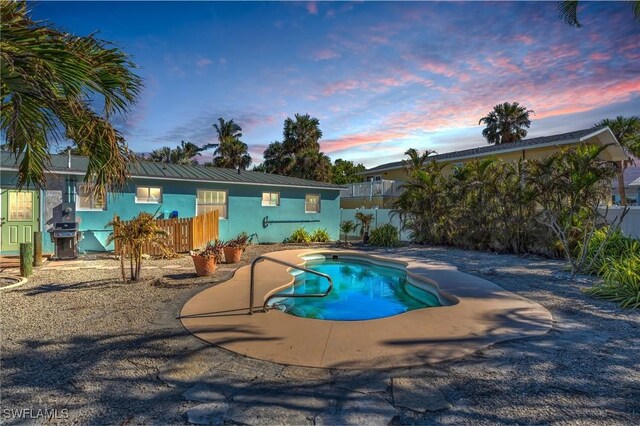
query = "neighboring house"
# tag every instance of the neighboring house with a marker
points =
(634, 190)
(243, 199)
(631, 174)
(382, 184)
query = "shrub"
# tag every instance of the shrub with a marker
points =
(320, 236)
(346, 227)
(615, 258)
(621, 281)
(535, 205)
(365, 222)
(300, 235)
(385, 236)
(602, 247)
(132, 236)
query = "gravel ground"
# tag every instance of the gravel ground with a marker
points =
(102, 352)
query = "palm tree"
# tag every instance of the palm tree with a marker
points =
(232, 155)
(227, 130)
(51, 82)
(416, 160)
(301, 134)
(568, 11)
(183, 154)
(160, 155)
(506, 123)
(346, 227)
(299, 153)
(627, 132)
(231, 152)
(276, 161)
(312, 165)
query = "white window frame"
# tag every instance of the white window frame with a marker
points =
(271, 199)
(148, 187)
(9, 204)
(90, 209)
(226, 198)
(305, 203)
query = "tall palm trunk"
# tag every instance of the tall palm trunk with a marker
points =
(621, 190)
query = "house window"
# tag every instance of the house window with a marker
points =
(86, 200)
(209, 201)
(271, 199)
(20, 206)
(312, 203)
(149, 194)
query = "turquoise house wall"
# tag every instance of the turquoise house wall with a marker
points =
(177, 196)
(245, 210)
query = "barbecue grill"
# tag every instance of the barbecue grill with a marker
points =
(64, 234)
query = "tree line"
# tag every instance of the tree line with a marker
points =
(297, 155)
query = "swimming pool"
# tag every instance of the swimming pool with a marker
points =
(361, 291)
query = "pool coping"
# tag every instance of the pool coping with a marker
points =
(481, 314)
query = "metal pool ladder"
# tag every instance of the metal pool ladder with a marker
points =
(290, 265)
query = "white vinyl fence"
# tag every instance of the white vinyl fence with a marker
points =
(630, 226)
(631, 223)
(380, 217)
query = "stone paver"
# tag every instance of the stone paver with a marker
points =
(203, 392)
(356, 381)
(370, 410)
(418, 395)
(211, 413)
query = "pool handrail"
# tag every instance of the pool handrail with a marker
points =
(272, 296)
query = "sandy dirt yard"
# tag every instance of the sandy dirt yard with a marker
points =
(89, 349)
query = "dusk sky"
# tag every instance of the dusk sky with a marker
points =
(381, 77)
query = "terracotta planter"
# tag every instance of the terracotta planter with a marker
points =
(232, 254)
(203, 265)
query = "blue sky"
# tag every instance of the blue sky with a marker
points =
(380, 76)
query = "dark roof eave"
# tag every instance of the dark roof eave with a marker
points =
(542, 141)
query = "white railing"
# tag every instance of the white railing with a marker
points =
(378, 188)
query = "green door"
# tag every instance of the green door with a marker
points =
(20, 213)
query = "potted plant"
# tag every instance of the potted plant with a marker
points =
(205, 260)
(234, 248)
(365, 224)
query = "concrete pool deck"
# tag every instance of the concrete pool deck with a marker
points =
(483, 313)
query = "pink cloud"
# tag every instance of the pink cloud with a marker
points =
(343, 86)
(524, 39)
(600, 56)
(312, 8)
(438, 68)
(394, 78)
(504, 63)
(358, 139)
(325, 54)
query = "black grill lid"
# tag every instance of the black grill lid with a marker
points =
(69, 226)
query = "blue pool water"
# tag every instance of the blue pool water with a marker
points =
(361, 291)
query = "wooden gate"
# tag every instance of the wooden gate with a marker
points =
(184, 234)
